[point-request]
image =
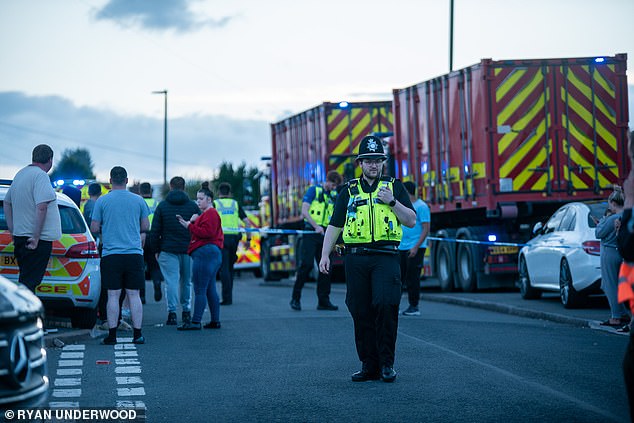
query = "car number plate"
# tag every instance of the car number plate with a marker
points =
(8, 261)
(503, 249)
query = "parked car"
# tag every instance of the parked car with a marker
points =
(72, 283)
(564, 256)
(23, 370)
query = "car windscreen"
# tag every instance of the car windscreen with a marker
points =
(597, 210)
(72, 221)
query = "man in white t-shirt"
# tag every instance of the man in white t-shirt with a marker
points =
(32, 215)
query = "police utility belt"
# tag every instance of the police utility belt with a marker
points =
(390, 250)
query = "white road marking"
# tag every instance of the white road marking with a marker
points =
(129, 380)
(66, 355)
(66, 393)
(125, 347)
(126, 361)
(80, 347)
(126, 354)
(70, 363)
(68, 381)
(130, 404)
(69, 372)
(126, 340)
(63, 404)
(128, 369)
(130, 392)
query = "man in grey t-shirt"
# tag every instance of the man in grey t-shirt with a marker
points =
(121, 217)
(32, 215)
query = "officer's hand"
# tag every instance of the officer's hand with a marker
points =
(385, 195)
(324, 265)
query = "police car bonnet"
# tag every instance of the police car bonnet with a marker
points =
(371, 147)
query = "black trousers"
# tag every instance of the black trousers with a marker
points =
(311, 245)
(373, 296)
(410, 274)
(32, 263)
(229, 258)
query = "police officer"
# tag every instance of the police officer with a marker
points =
(232, 216)
(317, 207)
(370, 211)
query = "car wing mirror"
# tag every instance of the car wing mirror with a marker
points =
(538, 228)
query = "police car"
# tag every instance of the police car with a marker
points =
(72, 283)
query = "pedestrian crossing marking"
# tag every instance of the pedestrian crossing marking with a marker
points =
(126, 354)
(128, 369)
(66, 355)
(69, 372)
(70, 363)
(63, 404)
(129, 380)
(66, 393)
(130, 392)
(79, 347)
(126, 361)
(68, 381)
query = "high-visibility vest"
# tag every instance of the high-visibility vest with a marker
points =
(322, 206)
(229, 212)
(367, 219)
(152, 204)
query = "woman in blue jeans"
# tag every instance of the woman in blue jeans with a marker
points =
(205, 249)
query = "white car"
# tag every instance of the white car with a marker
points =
(564, 257)
(72, 282)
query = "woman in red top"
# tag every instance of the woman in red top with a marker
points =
(205, 249)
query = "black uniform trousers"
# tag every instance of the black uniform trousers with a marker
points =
(311, 244)
(229, 257)
(373, 296)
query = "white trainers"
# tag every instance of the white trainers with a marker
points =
(411, 311)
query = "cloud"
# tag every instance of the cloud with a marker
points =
(196, 144)
(158, 15)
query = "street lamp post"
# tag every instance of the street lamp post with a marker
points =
(164, 92)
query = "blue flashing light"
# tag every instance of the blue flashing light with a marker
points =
(599, 60)
(405, 168)
(493, 238)
(343, 104)
(79, 182)
(466, 169)
(59, 182)
(423, 167)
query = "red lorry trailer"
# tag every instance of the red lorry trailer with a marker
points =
(305, 147)
(500, 145)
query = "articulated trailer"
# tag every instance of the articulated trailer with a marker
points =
(497, 146)
(305, 147)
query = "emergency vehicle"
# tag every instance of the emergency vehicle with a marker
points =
(305, 147)
(500, 145)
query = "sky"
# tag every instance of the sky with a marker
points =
(80, 73)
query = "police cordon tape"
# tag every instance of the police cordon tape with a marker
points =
(429, 238)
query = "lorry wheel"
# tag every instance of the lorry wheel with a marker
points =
(83, 318)
(526, 289)
(570, 298)
(465, 266)
(444, 264)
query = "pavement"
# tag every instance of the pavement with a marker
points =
(59, 331)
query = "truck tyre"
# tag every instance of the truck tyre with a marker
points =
(570, 298)
(526, 289)
(444, 264)
(465, 266)
(83, 318)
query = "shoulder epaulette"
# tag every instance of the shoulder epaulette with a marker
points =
(387, 178)
(353, 186)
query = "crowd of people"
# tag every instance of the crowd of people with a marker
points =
(186, 244)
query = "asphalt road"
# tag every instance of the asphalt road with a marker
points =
(270, 363)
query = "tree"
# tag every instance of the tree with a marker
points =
(245, 187)
(74, 164)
